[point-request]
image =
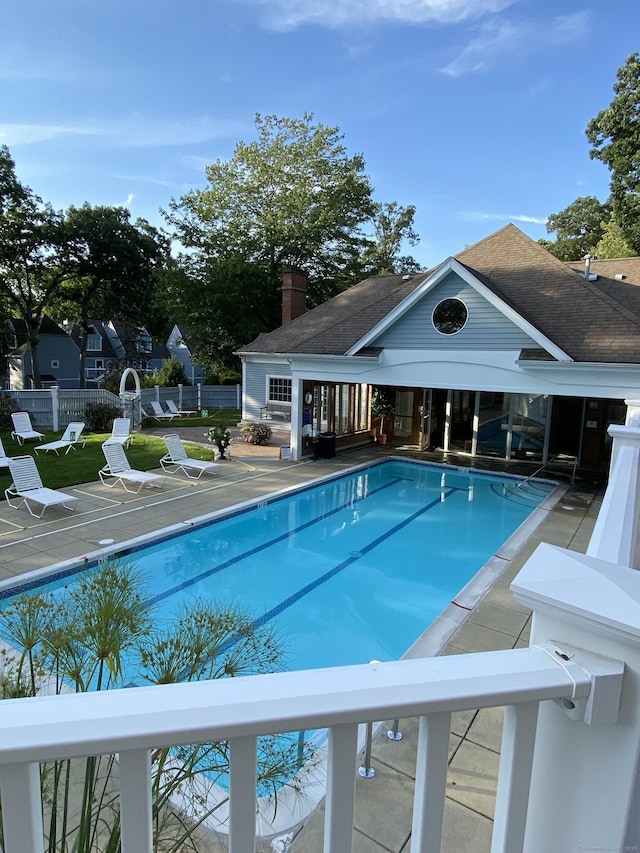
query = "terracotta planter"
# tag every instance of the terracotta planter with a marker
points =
(382, 438)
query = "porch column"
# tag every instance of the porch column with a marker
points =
(296, 418)
(447, 421)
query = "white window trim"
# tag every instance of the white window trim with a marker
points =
(278, 377)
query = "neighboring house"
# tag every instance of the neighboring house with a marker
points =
(134, 346)
(502, 350)
(59, 357)
(99, 355)
(179, 348)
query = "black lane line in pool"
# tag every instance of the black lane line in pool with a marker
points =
(221, 566)
(288, 602)
(356, 555)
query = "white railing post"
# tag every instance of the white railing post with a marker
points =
(21, 808)
(585, 757)
(54, 407)
(135, 801)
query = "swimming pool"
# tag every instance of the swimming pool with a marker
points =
(353, 568)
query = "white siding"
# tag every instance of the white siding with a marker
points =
(255, 390)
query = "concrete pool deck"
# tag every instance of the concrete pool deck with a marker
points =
(383, 803)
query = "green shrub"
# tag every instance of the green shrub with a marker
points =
(7, 406)
(99, 416)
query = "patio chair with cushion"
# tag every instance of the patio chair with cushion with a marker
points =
(118, 471)
(28, 489)
(121, 432)
(70, 439)
(176, 459)
(22, 429)
(158, 413)
(174, 410)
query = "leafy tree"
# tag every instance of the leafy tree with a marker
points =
(612, 243)
(37, 254)
(115, 265)
(224, 303)
(578, 228)
(171, 373)
(393, 225)
(615, 138)
(293, 197)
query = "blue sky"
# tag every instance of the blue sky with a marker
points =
(472, 110)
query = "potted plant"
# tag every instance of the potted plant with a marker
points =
(381, 406)
(221, 437)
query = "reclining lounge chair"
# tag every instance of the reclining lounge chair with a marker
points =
(70, 439)
(158, 413)
(118, 471)
(22, 429)
(27, 488)
(176, 459)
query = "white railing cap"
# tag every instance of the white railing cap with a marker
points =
(581, 589)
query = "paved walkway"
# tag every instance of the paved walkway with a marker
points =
(383, 804)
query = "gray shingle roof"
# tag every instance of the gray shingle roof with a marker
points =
(591, 321)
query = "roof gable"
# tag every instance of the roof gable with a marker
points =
(433, 282)
(566, 316)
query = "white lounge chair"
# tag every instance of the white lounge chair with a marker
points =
(121, 432)
(176, 459)
(158, 413)
(4, 459)
(22, 429)
(28, 489)
(174, 410)
(119, 471)
(71, 438)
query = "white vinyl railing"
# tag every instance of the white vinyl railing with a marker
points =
(134, 721)
(571, 738)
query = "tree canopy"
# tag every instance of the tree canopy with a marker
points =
(37, 254)
(578, 228)
(614, 135)
(292, 197)
(114, 271)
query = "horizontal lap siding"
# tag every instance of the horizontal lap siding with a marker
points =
(486, 328)
(256, 384)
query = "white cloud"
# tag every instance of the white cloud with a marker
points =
(494, 39)
(129, 200)
(286, 15)
(479, 216)
(23, 134)
(134, 131)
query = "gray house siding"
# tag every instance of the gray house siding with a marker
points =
(58, 357)
(486, 327)
(256, 385)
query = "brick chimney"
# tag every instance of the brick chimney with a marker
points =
(294, 293)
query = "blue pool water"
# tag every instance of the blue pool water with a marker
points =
(352, 569)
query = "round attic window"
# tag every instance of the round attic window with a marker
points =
(449, 316)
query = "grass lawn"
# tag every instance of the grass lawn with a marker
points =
(82, 465)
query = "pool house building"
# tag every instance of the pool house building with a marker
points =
(501, 350)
